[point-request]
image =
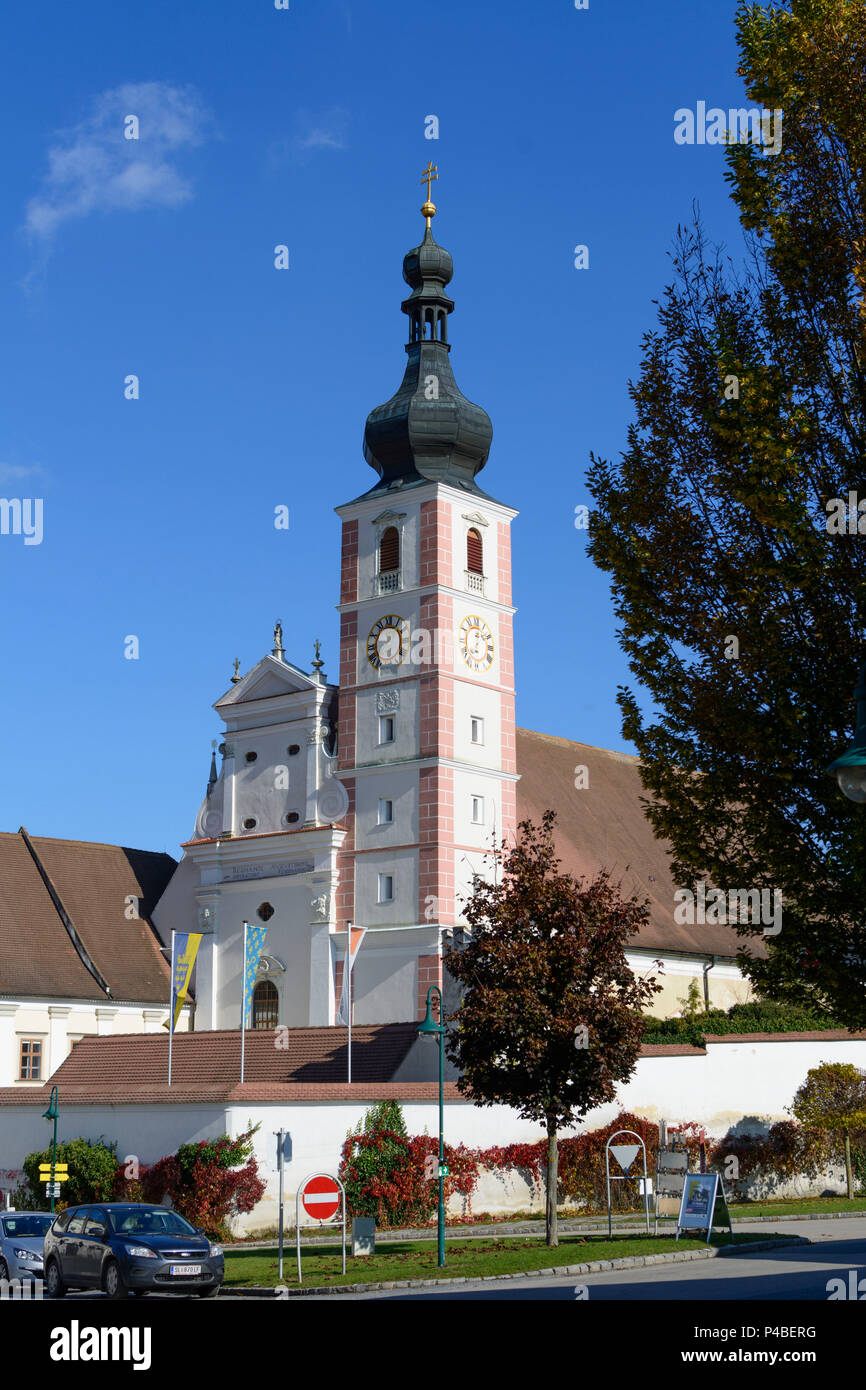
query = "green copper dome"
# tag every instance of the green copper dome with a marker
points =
(428, 429)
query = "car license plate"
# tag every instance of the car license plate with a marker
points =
(184, 1269)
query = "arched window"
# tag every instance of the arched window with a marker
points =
(389, 550)
(474, 552)
(265, 1005)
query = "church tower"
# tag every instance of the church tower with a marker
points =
(426, 736)
(383, 826)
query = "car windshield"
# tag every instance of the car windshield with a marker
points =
(34, 1224)
(143, 1221)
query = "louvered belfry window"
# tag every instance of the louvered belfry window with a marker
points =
(389, 550)
(474, 552)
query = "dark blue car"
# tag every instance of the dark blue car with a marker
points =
(123, 1246)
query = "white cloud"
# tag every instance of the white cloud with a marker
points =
(325, 131)
(14, 472)
(93, 168)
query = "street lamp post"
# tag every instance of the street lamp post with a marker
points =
(431, 1029)
(51, 1114)
(850, 769)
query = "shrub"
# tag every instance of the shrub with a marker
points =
(92, 1168)
(787, 1151)
(760, 1016)
(208, 1182)
(382, 1170)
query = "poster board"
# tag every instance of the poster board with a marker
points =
(703, 1204)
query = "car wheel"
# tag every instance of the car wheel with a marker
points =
(113, 1281)
(209, 1293)
(53, 1282)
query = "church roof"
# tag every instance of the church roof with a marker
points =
(63, 929)
(603, 824)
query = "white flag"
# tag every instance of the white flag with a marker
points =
(356, 936)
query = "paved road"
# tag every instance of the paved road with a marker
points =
(794, 1275)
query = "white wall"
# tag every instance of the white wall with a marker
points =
(402, 864)
(406, 723)
(472, 700)
(740, 1083)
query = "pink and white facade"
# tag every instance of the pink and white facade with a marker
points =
(426, 741)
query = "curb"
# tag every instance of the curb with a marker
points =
(595, 1267)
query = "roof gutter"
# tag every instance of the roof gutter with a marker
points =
(64, 915)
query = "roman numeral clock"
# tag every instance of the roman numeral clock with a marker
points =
(475, 641)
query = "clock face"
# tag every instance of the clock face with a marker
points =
(476, 643)
(388, 641)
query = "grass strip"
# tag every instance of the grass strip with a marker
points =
(413, 1259)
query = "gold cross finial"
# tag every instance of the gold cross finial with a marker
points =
(429, 208)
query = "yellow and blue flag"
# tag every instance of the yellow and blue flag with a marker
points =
(255, 941)
(186, 944)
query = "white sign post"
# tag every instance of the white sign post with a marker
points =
(284, 1154)
(625, 1155)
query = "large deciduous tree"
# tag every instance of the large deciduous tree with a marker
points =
(741, 597)
(551, 1016)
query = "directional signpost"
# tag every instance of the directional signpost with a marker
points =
(323, 1197)
(53, 1174)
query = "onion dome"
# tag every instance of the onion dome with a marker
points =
(428, 429)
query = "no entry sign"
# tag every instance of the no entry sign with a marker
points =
(321, 1198)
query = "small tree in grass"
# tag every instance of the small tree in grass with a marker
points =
(832, 1100)
(551, 1017)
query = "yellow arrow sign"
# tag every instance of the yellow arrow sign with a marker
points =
(58, 1168)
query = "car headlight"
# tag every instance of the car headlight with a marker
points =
(29, 1255)
(215, 1250)
(141, 1252)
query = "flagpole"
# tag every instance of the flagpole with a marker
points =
(348, 966)
(244, 1004)
(171, 1008)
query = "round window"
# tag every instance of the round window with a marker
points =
(249, 823)
(266, 912)
(293, 749)
(251, 757)
(293, 817)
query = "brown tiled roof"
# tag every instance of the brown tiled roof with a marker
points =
(37, 955)
(206, 1067)
(603, 825)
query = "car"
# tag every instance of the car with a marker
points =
(120, 1247)
(21, 1237)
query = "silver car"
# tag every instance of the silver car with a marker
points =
(22, 1234)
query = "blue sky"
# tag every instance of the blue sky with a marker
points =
(306, 127)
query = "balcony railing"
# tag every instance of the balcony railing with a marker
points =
(389, 582)
(474, 582)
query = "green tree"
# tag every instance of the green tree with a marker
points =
(832, 1101)
(551, 1017)
(741, 614)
